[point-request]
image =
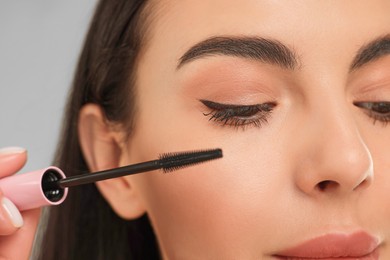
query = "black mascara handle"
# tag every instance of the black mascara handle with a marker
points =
(167, 162)
(108, 174)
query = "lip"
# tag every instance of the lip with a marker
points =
(359, 245)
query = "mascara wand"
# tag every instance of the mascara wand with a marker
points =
(50, 186)
(168, 162)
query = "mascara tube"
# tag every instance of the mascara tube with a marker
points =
(49, 186)
(29, 191)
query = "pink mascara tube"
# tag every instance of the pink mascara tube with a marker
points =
(28, 191)
(49, 186)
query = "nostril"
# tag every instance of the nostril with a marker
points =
(327, 185)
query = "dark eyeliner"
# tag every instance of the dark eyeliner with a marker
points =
(238, 115)
(378, 111)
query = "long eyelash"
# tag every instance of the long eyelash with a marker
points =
(220, 116)
(384, 119)
(237, 115)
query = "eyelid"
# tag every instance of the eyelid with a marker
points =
(217, 106)
(239, 115)
(370, 105)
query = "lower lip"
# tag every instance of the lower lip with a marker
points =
(373, 256)
(357, 246)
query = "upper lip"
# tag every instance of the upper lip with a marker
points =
(334, 245)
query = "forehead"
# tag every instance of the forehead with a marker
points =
(307, 26)
(207, 17)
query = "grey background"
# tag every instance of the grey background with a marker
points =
(40, 41)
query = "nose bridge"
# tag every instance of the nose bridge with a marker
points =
(337, 155)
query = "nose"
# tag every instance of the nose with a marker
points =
(334, 158)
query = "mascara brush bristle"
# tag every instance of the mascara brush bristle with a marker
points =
(175, 161)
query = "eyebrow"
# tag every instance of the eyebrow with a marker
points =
(372, 51)
(257, 48)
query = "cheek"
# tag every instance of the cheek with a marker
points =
(376, 203)
(219, 207)
(216, 207)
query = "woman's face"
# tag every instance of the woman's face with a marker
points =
(295, 94)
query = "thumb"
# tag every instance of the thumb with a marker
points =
(16, 233)
(10, 217)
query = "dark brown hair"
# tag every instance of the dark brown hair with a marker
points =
(85, 226)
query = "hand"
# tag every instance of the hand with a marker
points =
(17, 230)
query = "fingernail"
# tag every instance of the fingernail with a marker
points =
(13, 212)
(11, 150)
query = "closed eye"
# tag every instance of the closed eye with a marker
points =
(378, 111)
(238, 115)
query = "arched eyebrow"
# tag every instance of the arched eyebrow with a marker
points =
(256, 48)
(372, 51)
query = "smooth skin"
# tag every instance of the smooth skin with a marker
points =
(319, 164)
